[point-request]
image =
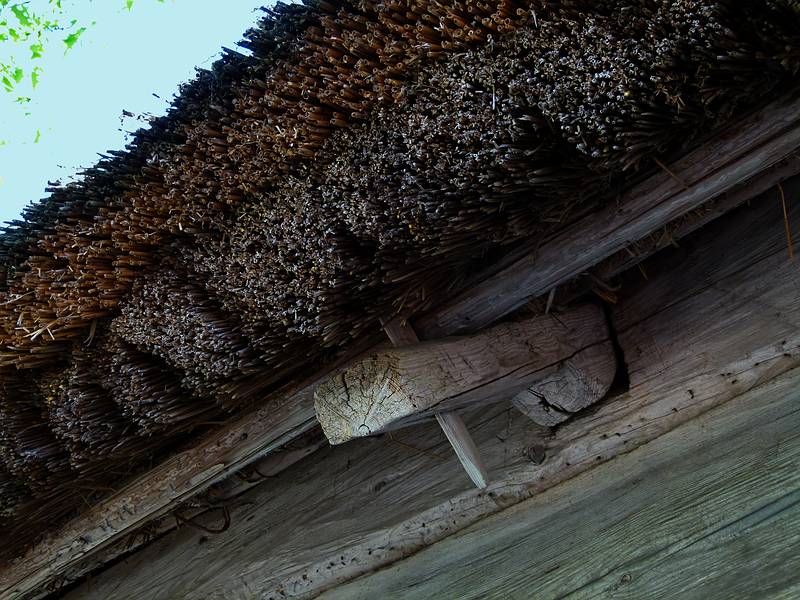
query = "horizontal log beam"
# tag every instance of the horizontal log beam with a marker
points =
(768, 135)
(397, 387)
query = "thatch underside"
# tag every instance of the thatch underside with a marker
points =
(364, 159)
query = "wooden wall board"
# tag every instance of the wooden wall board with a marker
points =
(745, 149)
(690, 347)
(708, 510)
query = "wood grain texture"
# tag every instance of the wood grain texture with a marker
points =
(465, 447)
(761, 140)
(689, 344)
(400, 333)
(708, 510)
(577, 383)
(154, 494)
(672, 233)
(396, 387)
(747, 148)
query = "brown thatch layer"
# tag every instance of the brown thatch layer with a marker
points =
(365, 157)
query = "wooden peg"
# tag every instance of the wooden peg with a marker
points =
(401, 333)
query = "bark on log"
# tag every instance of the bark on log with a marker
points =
(397, 387)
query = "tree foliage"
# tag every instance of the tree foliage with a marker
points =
(29, 29)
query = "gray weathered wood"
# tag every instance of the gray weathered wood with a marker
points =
(724, 324)
(638, 251)
(217, 496)
(396, 387)
(464, 446)
(579, 382)
(400, 333)
(709, 510)
(748, 148)
(155, 494)
(724, 162)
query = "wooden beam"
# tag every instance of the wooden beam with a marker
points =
(737, 154)
(400, 333)
(156, 493)
(464, 446)
(724, 324)
(395, 388)
(709, 510)
(577, 383)
(745, 149)
(220, 495)
(642, 249)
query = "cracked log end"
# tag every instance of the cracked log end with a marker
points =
(362, 399)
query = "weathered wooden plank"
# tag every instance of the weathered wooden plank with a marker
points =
(155, 494)
(400, 333)
(396, 387)
(709, 510)
(217, 496)
(354, 521)
(642, 249)
(747, 148)
(290, 413)
(577, 383)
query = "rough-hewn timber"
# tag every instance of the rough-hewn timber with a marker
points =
(726, 326)
(577, 383)
(709, 510)
(394, 388)
(191, 472)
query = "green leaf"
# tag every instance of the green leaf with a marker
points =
(38, 136)
(23, 16)
(22, 100)
(73, 38)
(37, 50)
(129, 4)
(35, 77)
(7, 83)
(18, 74)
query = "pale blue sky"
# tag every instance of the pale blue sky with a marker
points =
(118, 64)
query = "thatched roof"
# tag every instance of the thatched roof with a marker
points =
(362, 160)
